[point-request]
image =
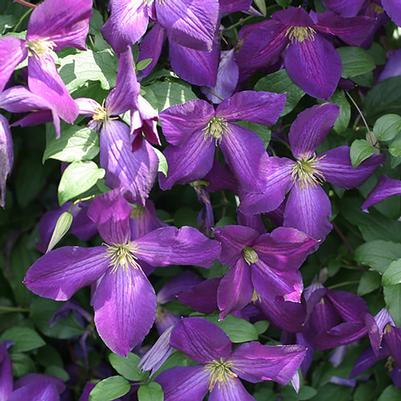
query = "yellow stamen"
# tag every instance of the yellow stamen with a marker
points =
(216, 128)
(39, 47)
(122, 255)
(250, 255)
(255, 297)
(305, 172)
(100, 114)
(220, 372)
(300, 33)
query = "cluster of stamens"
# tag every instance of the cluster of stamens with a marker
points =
(220, 372)
(100, 114)
(300, 33)
(306, 173)
(216, 128)
(122, 255)
(39, 47)
(250, 255)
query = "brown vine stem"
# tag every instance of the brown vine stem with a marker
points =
(25, 3)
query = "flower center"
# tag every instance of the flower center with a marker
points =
(300, 33)
(220, 372)
(122, 255)
(376, 8)
(39, 47)
(216, 128)
(306, 172)
(100, 114)
(250, 255)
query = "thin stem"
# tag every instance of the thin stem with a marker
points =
(359, 111)
(22, 18)
(10, 309)
(238, 23)
(345, 283)
(25, 3)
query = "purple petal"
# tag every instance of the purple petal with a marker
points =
(234, 239)
(12, 52)
(183, 282)
(393, 66)
(195, 66)
(44, 81)
(39, 379)
(170, 245)
(348, 305)
(61, 272)
(385, 188)
(111, 212)
(125, 308)
(257, 107)
(38, 118)
(233, 6)
(19, 99)
(131, 172)
(255, 222)
(235, 289)
(393, 9)
(308, 209)
(184, 383)
(314, 65)
(191, 23)
(255, 362)
(337, 168)
(87, 107)
(180, 121)
(6, 157)
(144, 220)
(201, 340)
(69, 26)
(392, 337)
(35, 391)
(127, 23)
(293, 16)
(6, 376)
(365, 361)
(123, 97)
(230, 390)
(188, 162)
(311, 127)
(346, 8)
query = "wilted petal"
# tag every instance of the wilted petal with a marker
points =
(6, 157)
(184, 383)
(346, 8)
(201, 340)
(385, 188)
(230, 390)
(44, 81)
(6, 375)
(189, 161)
(308, 209)
(337, 168)
(12, 52)
(60, 273)
(235, 289)
(393, 9)
(257, 107)
(311, 127)
(131, 172)
(182, 246)
(195, 66)
(65, 26)
(191, 23)
(125, 308)
(127, 23)
(255, 362)
(314, 65)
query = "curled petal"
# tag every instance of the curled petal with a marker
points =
(385, 188)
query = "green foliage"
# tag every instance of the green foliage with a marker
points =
(109, 389)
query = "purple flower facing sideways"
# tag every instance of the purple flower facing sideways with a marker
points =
(195, 129)
(310, 59)
(385, 188)
(261, 266)
(308, 208)
(123, 299)
(52, 27)
(220, 368)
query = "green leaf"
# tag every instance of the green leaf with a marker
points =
(75, 144)
(78, 178)
(392, 297)
(390, 394)
(387, 127)
(22, 364)
(150, 392)
(360, 151)
(280, 82)
(239, 330)
(24, 339)
(57, 371)
(395, 147)
(62, 226)
(378, 254)
(306, 393)
(345, 111)
(109, 389)
(392, 275)
(141, 65)
(369, 282)
(261, 4)
(355, 61)
(163, 165)
(127, 367)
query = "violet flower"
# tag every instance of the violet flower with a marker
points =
(220, 368)
(131, 172)
(308, 208)
(195, 128)
(124, 301)
(310, 59)
(52, 27)
(385, 188)
(260, 265)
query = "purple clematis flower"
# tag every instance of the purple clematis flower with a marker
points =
(220, 367)
(263, 266)
(191, 23)
(132, 172)
(310, 59)
(6, 157)
(308, 207)
(193, 130)
(123, 299)
(385, 188)
(52, 27)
